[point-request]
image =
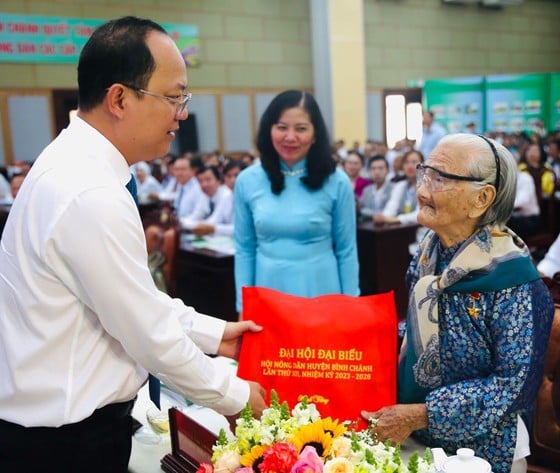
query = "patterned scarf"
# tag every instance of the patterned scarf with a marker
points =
(489, 260)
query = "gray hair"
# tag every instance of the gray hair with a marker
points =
(482, 163)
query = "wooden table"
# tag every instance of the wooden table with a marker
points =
(205, 281)
(205, 277)
(383, 252)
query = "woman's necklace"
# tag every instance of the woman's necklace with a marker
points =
(297, 172)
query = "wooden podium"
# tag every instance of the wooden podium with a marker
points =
(191, 444)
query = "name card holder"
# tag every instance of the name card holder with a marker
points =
(191, 444)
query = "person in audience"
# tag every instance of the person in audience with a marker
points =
(15, 184)
(148, 187)
(550, 264)
(553, 158)
(215, 207)
(353, 165)
(376, 195)
(167, 163)
(533, 162)
(479, 314)
(526, 217)
(399, 148)
(81, 320)
(220, 222)
(402, 205)
(5, 194)
(432, 132)
(295, 219)
(188, 191)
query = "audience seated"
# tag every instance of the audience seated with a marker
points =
(214, 207)
(402, 205)
(533, 162)
(353, 164)
(376, 195)
(221, 220)
(188, 189)
(148, 186)
(5, 194)
(526, 219)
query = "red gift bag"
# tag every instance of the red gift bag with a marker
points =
(339, 351)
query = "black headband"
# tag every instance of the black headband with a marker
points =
(497, 159)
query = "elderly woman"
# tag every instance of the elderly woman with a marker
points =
(479, 315)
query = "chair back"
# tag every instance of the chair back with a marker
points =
(162, 231)
(545, 432)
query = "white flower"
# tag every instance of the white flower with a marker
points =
(338, 465)
(228, 462)
(341, 447)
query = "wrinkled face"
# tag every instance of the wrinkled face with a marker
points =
(378, 171)
(352, 165)
(153, 121)
(292, 135)
(182, 171)
(208, 182)
(230, 177)
(446, 211)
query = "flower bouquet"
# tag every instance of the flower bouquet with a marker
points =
(303, 442)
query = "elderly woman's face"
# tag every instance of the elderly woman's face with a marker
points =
(445, 209)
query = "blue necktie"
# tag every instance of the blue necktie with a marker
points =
(153, 382)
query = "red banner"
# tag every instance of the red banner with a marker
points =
(339, 351)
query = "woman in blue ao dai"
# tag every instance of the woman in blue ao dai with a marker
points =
(295, 218)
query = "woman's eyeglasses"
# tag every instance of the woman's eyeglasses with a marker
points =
(437, 180)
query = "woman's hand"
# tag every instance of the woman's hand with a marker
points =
(233, 333)
(398, 422)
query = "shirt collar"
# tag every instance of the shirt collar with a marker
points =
(104, 149)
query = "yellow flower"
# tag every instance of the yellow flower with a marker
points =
(255, 455)
(315, 436)
(339, 465)
(333, 427)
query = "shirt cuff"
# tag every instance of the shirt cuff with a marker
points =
(235, 399)
(207, 332)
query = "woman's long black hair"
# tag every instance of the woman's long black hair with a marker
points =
(319, 165)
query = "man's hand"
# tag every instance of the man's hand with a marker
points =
(231, 340)
(256, 401)
(398, 422)
(201, 229)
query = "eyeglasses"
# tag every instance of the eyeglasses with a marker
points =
(437, 180)
(180, 103)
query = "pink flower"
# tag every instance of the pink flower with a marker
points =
(245, 469)
(205, 468)
(279, 458)
(308, 462)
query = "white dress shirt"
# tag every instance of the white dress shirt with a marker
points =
(402, 196)
(222, 217)
(81, 321)
(222, 212)
(187, 197)
(526, 203)
(550, 264)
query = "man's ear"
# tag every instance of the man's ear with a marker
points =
(115, 100)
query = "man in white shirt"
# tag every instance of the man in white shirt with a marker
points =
(81, 321)
(188, 191)
(219, 218)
